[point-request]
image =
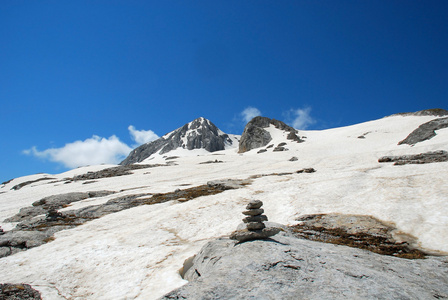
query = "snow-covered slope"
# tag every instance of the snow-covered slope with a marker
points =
(137, 253)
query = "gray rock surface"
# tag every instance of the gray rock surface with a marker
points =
(21, 185)
(286, 267)
(198, 134)
(23, 239)
(255, 136)
(438, 112)
(254, 204)
(20, 291)
(40, 221)
(425, 131)
(33, 231)
(228, 184)
(422, 158)
(54, 202)
(113, 172)
(279, 148)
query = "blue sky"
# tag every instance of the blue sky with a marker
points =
(75, 75)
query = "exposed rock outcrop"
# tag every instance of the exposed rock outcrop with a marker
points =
(422, 158)
(438, 112)
(10, 291)
(55, 202)
(21, 185)
(198, 134)
(425, 131)
(359, 231)
(255, 136)
(286, 267)
(113, 172)
(35, 230)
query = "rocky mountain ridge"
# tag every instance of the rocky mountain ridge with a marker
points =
(197, 134)
(255, 134)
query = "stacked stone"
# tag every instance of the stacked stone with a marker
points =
(255, 228)
(255, 218)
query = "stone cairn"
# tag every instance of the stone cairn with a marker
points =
(255, 218)
(255, 228)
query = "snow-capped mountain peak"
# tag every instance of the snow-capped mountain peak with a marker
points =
(197, 134)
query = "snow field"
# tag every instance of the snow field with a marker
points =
(137, 253)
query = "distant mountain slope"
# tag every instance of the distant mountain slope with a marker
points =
(198, 134)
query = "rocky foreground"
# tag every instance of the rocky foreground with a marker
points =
(287, 267)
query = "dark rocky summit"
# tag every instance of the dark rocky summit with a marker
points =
(422, 158)
(425, 131)
(255, 136)
(198, 134)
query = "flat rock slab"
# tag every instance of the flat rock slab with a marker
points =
(254, 204)
(425, 131)
(286, 267)
(253, 212)
(422, 158)
(250, 235)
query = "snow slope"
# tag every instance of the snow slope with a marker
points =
(136, 253)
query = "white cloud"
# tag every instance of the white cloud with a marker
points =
(142, 136)
(93, 151)
(249, 113)
(301, 117)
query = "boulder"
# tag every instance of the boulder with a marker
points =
(279, 149)
(253, 137)
(422, 158)
(228, 184)
(23, 239)
(425, 131)
(286, 267)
